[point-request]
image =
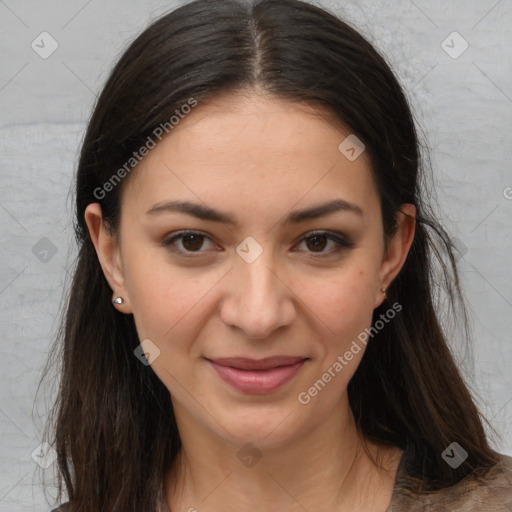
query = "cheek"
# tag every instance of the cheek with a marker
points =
(342, 302)
(164, 298)
(345, 307)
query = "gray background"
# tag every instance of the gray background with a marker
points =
(463, 103)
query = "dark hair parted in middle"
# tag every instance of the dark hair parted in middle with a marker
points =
(115, 422)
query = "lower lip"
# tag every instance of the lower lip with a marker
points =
(257, 381)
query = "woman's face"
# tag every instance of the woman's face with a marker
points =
(286, 260)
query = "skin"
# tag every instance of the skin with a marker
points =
(257, 158)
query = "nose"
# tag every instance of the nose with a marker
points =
(256, 298)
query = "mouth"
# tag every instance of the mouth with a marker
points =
(257, 376)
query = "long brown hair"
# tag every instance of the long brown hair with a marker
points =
(114, 428)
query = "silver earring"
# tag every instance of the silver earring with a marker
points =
(118, 300)
(383, 289)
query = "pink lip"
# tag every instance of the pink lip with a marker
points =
(257, 376)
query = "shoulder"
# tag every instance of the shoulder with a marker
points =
(492, 493)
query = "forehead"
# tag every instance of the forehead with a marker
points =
(252, 148)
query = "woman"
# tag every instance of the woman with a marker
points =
(251, 324)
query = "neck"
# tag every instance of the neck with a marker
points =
(325, 468)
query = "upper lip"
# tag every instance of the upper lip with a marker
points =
(243, 363)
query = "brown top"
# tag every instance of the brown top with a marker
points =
(490, 494)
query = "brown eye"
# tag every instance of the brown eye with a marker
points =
(316, 243)
(192, 242)
(187, 242)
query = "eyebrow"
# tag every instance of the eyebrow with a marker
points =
(204, 212)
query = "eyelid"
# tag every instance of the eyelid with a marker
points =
(340, 237)
(168, 241)
(341, 241)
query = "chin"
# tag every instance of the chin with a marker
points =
(264, 426)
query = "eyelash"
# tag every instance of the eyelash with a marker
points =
(338, 239)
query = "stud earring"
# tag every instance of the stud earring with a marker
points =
(117, 301)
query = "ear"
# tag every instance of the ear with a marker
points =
(398, 248)
(108, 253)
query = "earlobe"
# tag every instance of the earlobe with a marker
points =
(380, 297)
(107, 251)
(398, 248)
